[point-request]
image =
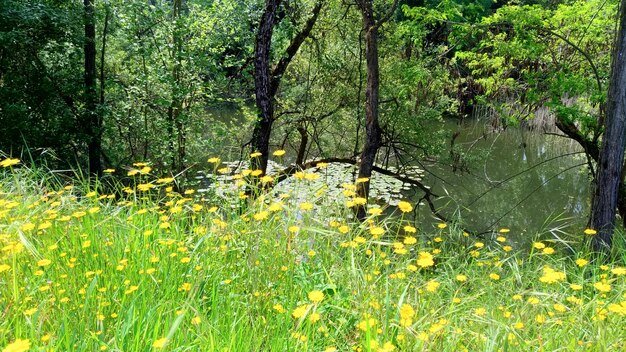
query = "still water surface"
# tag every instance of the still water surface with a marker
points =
(530, 182)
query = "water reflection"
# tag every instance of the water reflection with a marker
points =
(530, 182)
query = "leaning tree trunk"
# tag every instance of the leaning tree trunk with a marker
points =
(263, 86)
(372, 126)
(608, 178)
(92, 123)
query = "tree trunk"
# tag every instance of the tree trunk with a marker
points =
(304, 142)
(608, 178)
(102, 52)
(372, 127)
(263, 86)
(171, 136)
(266, 81)
(175, 125)
(92, 124)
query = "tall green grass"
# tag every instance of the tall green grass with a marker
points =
(82, 269)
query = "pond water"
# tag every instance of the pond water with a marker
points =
(529, 182)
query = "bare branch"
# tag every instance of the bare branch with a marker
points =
(293, 48)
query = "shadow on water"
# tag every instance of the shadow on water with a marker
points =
(529, 182)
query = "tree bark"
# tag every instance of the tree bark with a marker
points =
(102, 52)
(373, 131)
(267, 81)
(304, 142)
(609, 171)
(176, 127)
(263, 86)
(92, 124)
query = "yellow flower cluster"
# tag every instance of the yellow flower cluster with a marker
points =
(551, 276)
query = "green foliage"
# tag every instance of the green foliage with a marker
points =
(528, 56)
(164, 64)
(179, 86)
(39, 86)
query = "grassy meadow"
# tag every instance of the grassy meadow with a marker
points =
(140, 267)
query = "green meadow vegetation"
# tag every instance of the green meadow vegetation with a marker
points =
(142, 265)
(310, 175)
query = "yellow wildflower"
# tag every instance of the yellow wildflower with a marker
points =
(6, 163)
(406, 315)
(618, 271)
(425, 260)
(160, 343)
(375, 211)
(44, 262)
(316, 296)
(551, 276)
(405, 207)
(4, 267)
(279, 308)
(18, 345)
(266, 179)
(359, 201)
(533, 300)
(306, 206)
(376, 231)
(300, 311)
(367, 323)
(279, 152)
(590, 232)
(344, 229)
(576, 287)
(539, 245)
(432, 285)
(314, 317)
(260, 216)
(410, 240)
(581, 262)
(602, 287)
(540, 318)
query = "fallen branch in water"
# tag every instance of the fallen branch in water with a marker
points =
(428, 197)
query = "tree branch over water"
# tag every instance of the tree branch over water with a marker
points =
(493, 223)
(428, 197)
(500, 183)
